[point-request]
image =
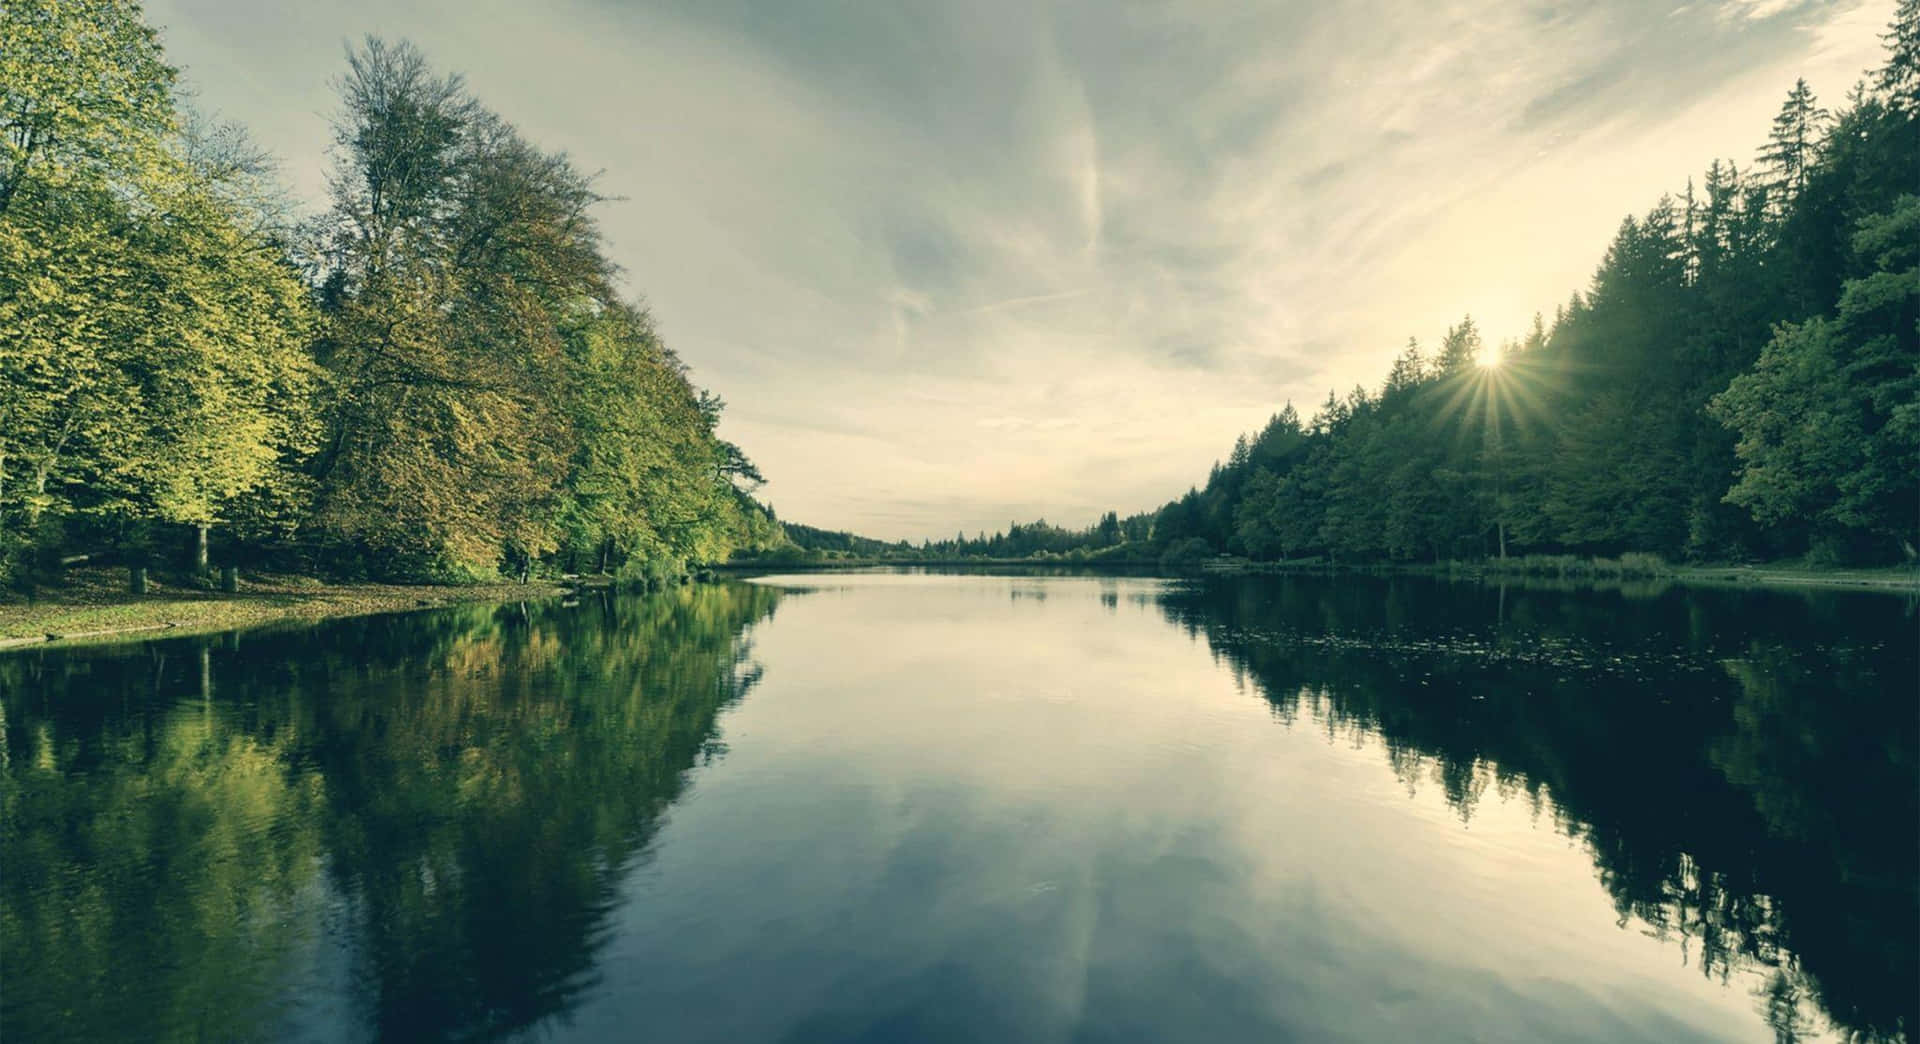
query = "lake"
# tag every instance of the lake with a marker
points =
(902, 806)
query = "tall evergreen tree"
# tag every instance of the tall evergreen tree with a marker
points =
(1899, 78)
(1792, 144)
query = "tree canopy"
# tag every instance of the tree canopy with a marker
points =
(436, 377)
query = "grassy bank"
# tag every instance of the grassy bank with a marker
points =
(1624, 569)
(95, 605)
(1888, 578)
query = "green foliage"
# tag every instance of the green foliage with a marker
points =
(153, 337)
(493, 400)
(1187, 552)
(226, 373)
(454, 251)
(85, 96)
(462, 391)
(1829, 418)
(1750, 346)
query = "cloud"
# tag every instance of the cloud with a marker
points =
(956, 263)
(1757, 10)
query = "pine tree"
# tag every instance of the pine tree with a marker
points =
(1900, 77)
(1793, 145)
(1407, 373)
(1459, 348)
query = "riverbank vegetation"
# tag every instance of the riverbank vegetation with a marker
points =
(1740, 383)
(436, 378)
(93, 605)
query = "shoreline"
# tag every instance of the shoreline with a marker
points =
(96, 610)
(1885, 579)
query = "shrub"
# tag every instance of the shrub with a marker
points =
(1186, 552)
(1642, 564)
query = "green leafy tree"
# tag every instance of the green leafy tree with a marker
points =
(1829, 419)
(86, 111)
(84, 95)
(153, 335)
(456, 251)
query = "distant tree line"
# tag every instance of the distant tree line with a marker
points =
(838, 542)
(437, 377)
(1741, 380)
(1110, 539)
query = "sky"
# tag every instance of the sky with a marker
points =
(958, 264)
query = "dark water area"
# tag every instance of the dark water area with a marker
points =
(906, 806)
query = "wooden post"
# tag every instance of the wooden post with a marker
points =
(230, 579)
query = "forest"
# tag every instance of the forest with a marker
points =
(1741, 382)
(437, 377)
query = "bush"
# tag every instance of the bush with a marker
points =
(1642, 564)
(649, 573)
(1186, 552)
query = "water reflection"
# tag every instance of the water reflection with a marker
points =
(969, 802)
(1741, 766)
(420, 818)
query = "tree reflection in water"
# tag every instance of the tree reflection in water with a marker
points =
(1760, 812)
(426, 819)
(435, 807)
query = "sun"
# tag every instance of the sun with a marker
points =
(1491, 360)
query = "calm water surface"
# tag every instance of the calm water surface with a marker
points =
(940, 807)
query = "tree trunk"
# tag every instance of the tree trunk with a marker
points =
(137, 579)
(230, 579)
(1502, 526)
(200, 549)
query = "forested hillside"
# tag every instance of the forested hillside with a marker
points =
(1741, 381)
(436, 377)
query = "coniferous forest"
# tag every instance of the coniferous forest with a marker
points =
(436, 377)
(1740, 382)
